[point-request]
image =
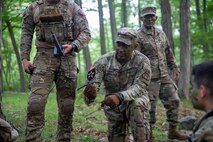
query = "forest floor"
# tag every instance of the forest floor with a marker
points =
(87, 126)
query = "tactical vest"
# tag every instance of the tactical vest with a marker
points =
(55, 19)
(116, 80)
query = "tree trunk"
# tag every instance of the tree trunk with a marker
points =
(112, 21)
(184, 48)
(101, 22)
(166, 21)
(139, 13)
(21, 71)
(124, 14)
(205, 46)
(7, 68)
(1, 78)
(86, 51)
(197, 5)
(87, 58)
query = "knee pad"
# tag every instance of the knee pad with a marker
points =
(37, 100)
(175, 104)
(36, 104)
(67, 106)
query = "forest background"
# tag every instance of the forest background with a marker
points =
(187, 23)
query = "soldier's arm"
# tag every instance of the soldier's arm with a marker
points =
(81, 30)
(99, 69)
(141, 81)
(170, 56)
(139, 41)
(205, 128)
(28, 27)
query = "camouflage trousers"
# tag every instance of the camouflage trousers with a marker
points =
(128, 115)
(166, 90)
(7, 132)
(49, 69)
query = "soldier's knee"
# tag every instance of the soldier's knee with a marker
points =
(67, 106)
(36, 102)
(64, 92)
(176, 103)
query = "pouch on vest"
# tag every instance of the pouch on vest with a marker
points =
(51, 20)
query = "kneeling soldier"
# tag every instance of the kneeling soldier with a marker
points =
(125, 74)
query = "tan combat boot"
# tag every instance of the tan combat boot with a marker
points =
(173, 133)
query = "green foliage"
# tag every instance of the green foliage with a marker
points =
(201, 39)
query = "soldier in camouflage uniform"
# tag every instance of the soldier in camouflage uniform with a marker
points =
(154, 44)
(202, 99)
(8, 132)
(126, 74)
(68, 22)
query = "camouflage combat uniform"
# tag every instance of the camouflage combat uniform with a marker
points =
(203, 125)
(69, 23)
(131, 80)
(156, 47)
(7, 132)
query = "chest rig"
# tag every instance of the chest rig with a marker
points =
(55, 19)
(115, 79)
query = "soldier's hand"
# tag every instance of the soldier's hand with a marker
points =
(67, 48)
(113, 100)
(90, 94)
(27, 65)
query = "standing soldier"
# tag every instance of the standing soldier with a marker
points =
(68, 23)
(126, 74)
(154, 44)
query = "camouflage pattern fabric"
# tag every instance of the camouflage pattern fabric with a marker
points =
(48, 69)
(76, 30)
(202, 127)
(164, 89)
(7, 132)
(156, 47)
(62, 71)
(131, 80)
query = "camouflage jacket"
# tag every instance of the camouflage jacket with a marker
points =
(156, 47)
(130, 79)
(203, 125)
(66, 19)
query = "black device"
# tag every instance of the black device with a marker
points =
(58, 49)
(31, 68)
